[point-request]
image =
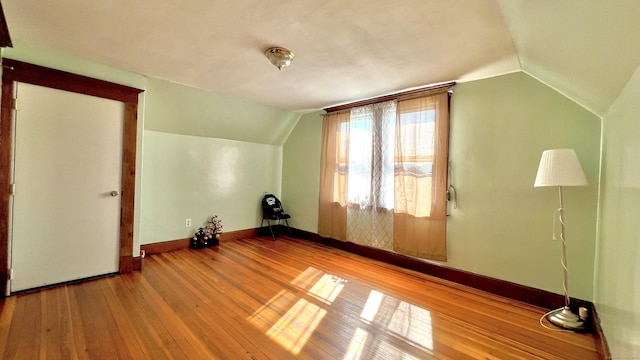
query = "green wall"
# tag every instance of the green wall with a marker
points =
(60, 60)
(617, 294)
(301, 172)
(192, 177)
(179, 109)
(206, 154)
(502, 226)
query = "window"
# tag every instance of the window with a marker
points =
(388, 157)
(371, 139)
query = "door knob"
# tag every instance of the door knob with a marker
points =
(114, 193)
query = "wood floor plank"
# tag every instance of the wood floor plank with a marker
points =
(211, 339)
(75, 336)
(131, 340)
(260, 299)
(7, 309)
(223, 314)
(53, 346)
(150, 337)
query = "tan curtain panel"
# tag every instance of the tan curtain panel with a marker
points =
(334, 174)
(421, 158)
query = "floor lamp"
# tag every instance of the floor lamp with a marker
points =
(560, 167)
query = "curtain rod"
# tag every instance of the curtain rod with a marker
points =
(426, 90)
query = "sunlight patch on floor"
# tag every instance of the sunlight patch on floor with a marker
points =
(328, 288)
(413, 323)
(357, 345)
(409, 322)
(307, 278)
(386, 350)
(325, 287)
(294, 329)
(387, 327)
(372, 306)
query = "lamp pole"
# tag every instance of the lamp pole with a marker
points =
(565, 272)
(564, 317)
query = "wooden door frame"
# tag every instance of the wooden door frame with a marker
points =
(16, 71)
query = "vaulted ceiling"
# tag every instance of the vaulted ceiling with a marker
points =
(345, 50)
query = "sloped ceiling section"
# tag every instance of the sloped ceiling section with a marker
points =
(585, 49)
(345, 50)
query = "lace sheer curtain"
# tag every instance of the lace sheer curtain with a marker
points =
(370, 189)
(383, 176)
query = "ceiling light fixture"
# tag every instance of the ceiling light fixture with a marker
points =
(279, 57)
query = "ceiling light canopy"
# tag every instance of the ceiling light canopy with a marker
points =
(279, 57)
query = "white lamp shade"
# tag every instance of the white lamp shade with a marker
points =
(560, 167)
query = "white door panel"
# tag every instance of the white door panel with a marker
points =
(68, 159)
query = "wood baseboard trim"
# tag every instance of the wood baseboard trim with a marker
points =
(239, 234)
(137, 263)
(126, 264)
(165, 246)
(179, 244)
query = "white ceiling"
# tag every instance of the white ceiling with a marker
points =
(345, 50)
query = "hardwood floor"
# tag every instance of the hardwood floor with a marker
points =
(288, 299)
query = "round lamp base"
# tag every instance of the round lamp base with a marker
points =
(566, 319)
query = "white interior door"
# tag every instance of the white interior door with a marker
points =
(68, 160)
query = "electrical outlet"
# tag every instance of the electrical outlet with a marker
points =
(187, 223)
